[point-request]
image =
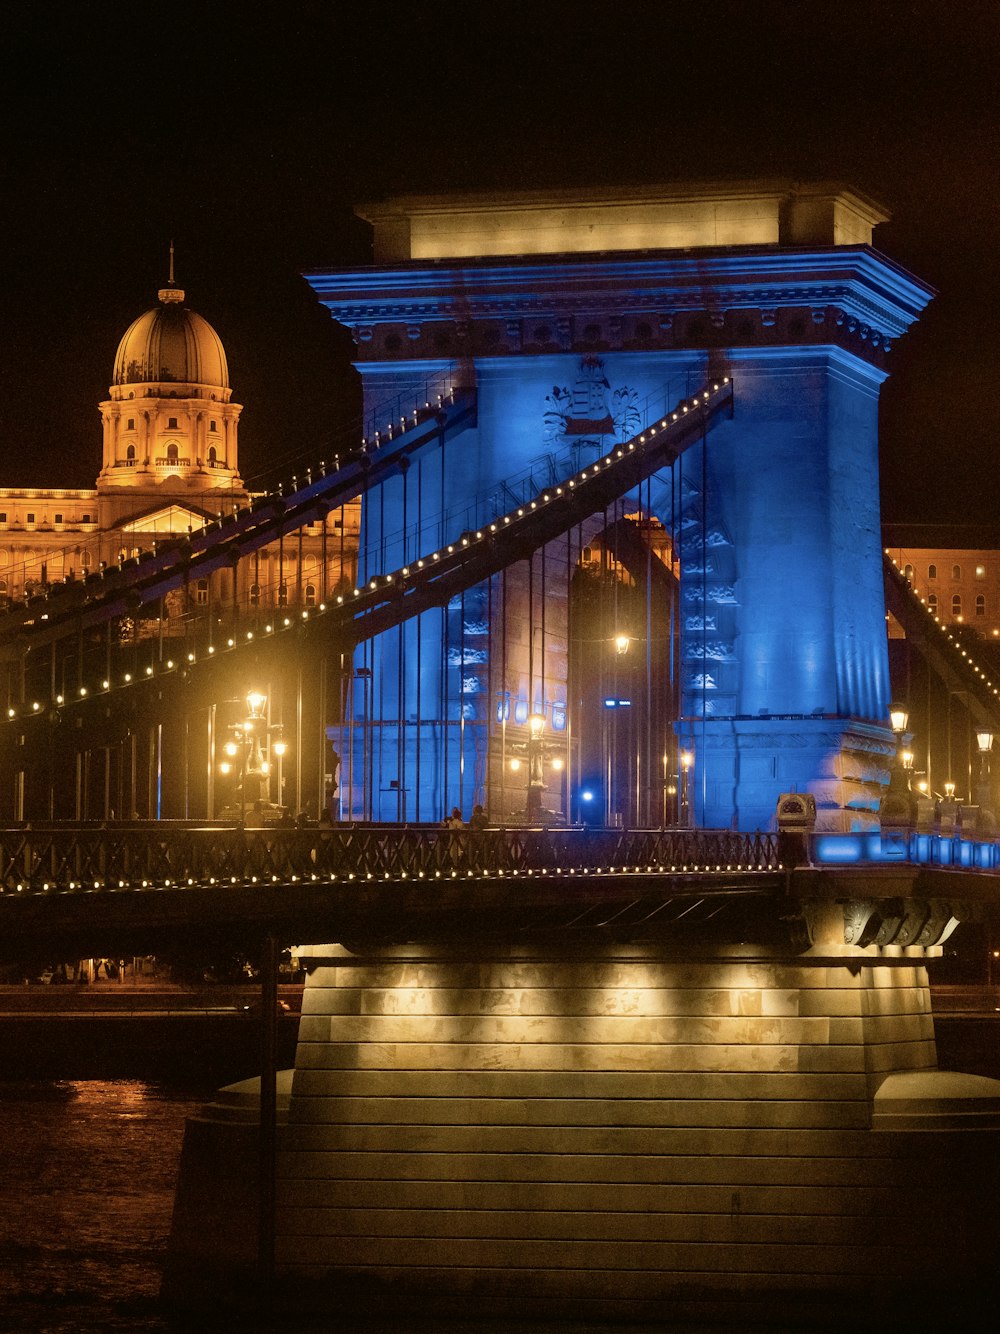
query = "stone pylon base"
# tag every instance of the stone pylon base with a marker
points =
(615, 1133)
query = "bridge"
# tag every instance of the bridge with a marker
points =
(618, 582)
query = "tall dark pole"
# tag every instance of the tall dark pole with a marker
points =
(268, 1145)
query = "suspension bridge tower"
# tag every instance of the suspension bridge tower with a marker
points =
(579, 322)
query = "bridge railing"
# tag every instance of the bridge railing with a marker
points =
(919, 847)
(61, 858)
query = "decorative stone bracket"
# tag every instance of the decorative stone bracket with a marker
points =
(864, 922)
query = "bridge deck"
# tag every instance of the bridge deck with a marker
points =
(138, 888)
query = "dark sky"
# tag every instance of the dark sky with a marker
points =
(246, 133)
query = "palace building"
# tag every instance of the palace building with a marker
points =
(170, 464)
(954, 568)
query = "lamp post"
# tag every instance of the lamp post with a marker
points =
(984, 789)
(898, 808)
(687, 761)
(536, 778)
(249, 749)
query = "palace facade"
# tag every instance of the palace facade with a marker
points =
(170, 464)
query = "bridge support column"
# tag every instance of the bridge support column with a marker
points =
(625, 1131)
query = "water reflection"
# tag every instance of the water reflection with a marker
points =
(87, 1175)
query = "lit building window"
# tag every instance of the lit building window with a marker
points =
(908, 572)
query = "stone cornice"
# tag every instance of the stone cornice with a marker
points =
(856, 280)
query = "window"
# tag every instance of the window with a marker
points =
(85, 559)
(130, 454)
(980, 604)
(172, 452)
(31, 517)
(212, 457)
(255, 595)
(282, 595)
(932, 572)
(212, 426)
(908, 572)
(201, 592)
(58, 518)
(130, 424)
(85, 519)
(956, 604)
(932, 603)
(586, 555)
(980, 571)
(310, 595)
(3, 516)
(956, 571)
(171, 423)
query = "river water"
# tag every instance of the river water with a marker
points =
(87, 1176)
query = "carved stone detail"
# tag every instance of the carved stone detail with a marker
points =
(862, 922)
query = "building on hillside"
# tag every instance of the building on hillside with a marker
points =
(954, 568)
(170, 463)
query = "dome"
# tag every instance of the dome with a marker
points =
(171, 343)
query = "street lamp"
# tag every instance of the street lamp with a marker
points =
(248, 749)
(984, 794)
(621, 644)
(687, 761)
(536, 779)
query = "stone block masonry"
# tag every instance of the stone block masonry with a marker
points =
(613, 1132)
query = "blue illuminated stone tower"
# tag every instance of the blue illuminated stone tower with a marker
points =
(574, 316)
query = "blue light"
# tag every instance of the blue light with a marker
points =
(617, 703)
(586, 795)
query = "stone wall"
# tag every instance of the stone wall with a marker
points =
(613, 1131)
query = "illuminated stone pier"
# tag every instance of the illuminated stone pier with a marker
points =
(608, 1131)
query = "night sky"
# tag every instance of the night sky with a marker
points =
(245, 133)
